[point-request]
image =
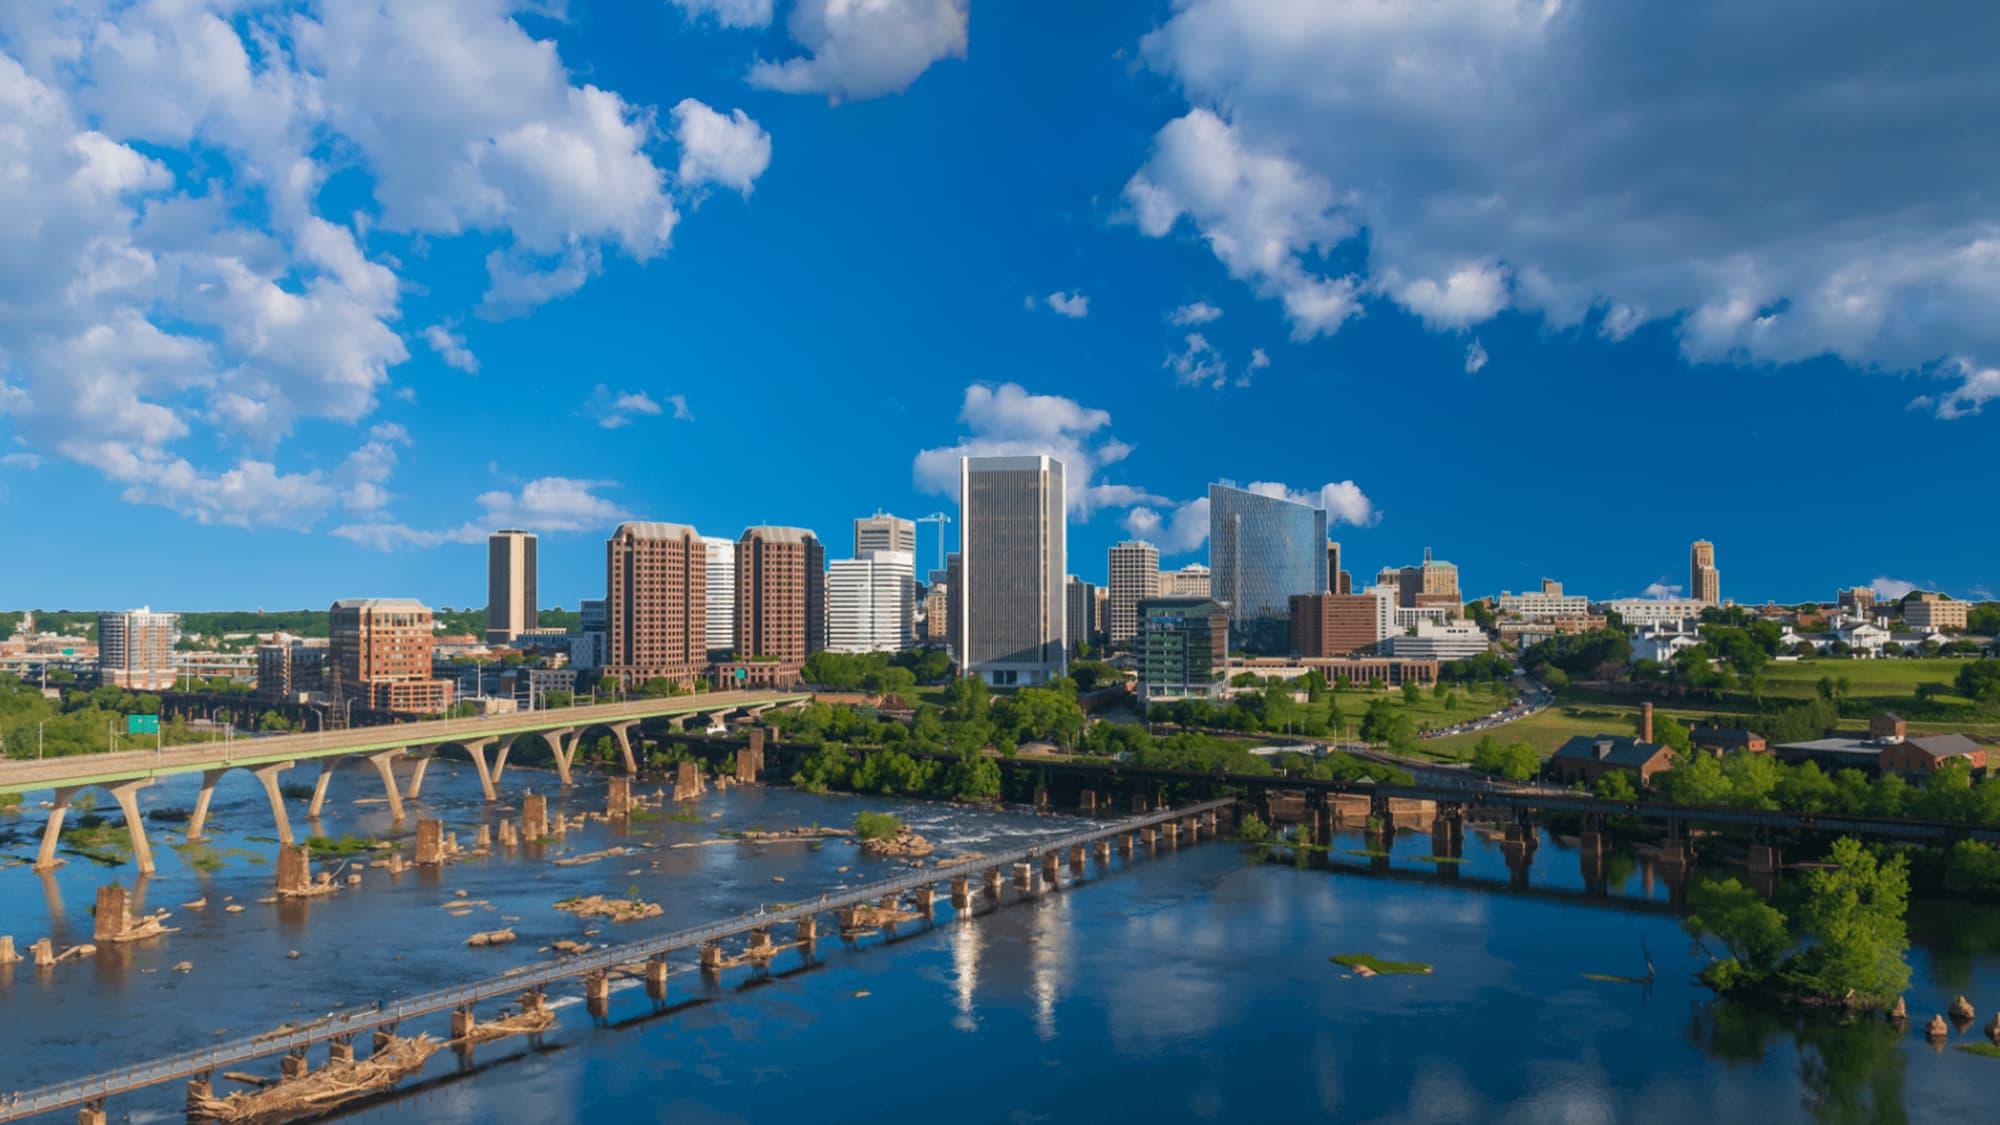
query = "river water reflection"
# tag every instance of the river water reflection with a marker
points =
(1194, 984)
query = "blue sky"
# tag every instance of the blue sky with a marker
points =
(302, 300)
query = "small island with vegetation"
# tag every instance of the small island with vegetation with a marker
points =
(1843, 946)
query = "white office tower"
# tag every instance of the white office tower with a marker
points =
(871, 602)
(1012, 566)
(720, 594)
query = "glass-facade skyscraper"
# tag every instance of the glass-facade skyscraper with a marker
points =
(1261, 551)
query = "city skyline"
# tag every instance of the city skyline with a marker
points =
(454, 367)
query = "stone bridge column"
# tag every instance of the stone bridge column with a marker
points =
(199, 820)
(477, 750)
(562, 743)
(618, 796)
(45, 860)
(384, 762)
(126, 793)
(423, 762)
(622, 732)
(326, 768)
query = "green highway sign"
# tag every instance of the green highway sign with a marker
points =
(69, 652)
(142, 724)
(743, 673)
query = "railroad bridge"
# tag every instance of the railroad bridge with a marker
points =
(486, 741)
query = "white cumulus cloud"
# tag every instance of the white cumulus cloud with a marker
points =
(546, 504)
(1197, 312)
(718, 148)
(450, 347)
(859, 49)
(1475, 357)
(1892, 589)
(1008, 421)
(614, 409)
(728, 13)
(1074, 305)
(1758, 202)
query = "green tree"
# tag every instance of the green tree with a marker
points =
(1616, 785)
(1751, 930)
(1853, 916)
(1694, 780)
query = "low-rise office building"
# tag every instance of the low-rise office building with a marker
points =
(1935, 611)
(1182, 644)
(1341, 624)
(1430, 640)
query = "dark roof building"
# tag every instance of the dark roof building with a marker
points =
(1724, 739)
(1927, 753)
(1587, 757)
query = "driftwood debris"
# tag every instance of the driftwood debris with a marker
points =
(320, 1091)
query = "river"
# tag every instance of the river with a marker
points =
(1192, 984)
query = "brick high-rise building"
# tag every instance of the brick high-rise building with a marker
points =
(1135, 576)
(1325, 625)
(655, 604)
(510, 585)
(1704, 581)
(780, 595)
(1432, 584)
(379, 656)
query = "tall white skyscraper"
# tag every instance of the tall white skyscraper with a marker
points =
(510, 585)
(871, 602)
(1012, 565)
(720, 593)
(1135, 574)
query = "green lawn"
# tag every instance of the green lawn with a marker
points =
(1544, 730)
(1894, 678)
(1428, 711)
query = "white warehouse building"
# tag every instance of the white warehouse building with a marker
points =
(871, 603)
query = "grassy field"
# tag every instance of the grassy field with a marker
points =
(1544, 730)
(1873, 686)
(1895, 679)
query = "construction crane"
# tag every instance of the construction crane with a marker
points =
(940, 519)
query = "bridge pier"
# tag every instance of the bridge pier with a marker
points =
(199, 819)
(993, 883)
(711, 957)
(1087, 802)
(562, 743)
(656, 978)
(430, 842)
(1125, 844)
(384, 762)
(1076, 858)
(961, 892)
(534, 818)
(1103, 850)
(199, 1090)
(618, 796)
(463, 1021)
(597, 994)
(622, 732)
(1765, 859)
(341, 1050)
(326, 768)
(500, 756)
(1024, 876)
(926, 900)
(380, 1041)
(92, 1113)
(1052, 869)
(477, 750)
(423, 763)
(45, 859)
(807, 930)
(294, 1064)
(126, 793)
